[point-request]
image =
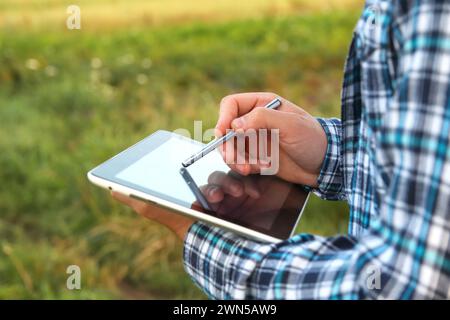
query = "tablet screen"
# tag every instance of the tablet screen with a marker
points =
(154, 167)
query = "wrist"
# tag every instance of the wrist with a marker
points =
(177, 224)
(183, 229)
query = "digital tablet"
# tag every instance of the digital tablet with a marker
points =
(151, 171)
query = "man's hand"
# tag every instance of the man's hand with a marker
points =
(175, 222)
(302, 149)
(303, 141)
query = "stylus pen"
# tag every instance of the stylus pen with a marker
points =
(275, 103)
(194, 188)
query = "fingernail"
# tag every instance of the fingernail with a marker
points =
(237, 123)
(212, 191)
(217, 132)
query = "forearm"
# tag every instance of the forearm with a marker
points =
(178, 224)
(182, 227)
(227, 266)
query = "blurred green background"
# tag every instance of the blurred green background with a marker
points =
(69, 99)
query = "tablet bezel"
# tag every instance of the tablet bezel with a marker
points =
(105, 174)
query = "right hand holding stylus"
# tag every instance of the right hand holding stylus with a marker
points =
(302, 140)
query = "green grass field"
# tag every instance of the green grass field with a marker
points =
(71, 99)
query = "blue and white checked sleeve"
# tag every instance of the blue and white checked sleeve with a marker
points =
(408, 239)
(330, 179)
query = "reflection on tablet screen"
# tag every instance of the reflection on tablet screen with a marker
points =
(268, 199)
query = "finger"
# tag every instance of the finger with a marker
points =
(233, 168)
(262, 163)
(235, 105)
(248, 169)
(230, 205)
(212, 193)
(135, 204)
(228, 184)
(251, 188)
(122, 198)
(243, 168)
(261, 118)
(235, 154)
(197, 206)
(228, 152)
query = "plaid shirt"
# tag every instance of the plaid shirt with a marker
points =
(388, 157)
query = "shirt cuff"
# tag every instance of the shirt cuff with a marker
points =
(330, 180)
